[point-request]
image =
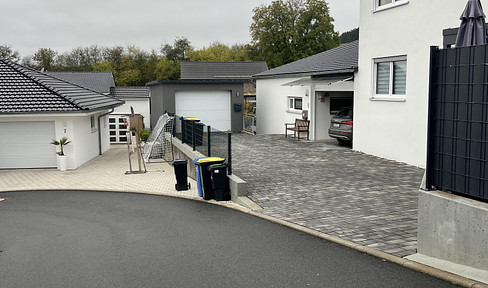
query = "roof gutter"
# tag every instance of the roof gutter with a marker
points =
(100, 131)
(305, 74)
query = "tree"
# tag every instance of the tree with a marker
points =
(113, 54)
(79, 59)
(177, 51)
(6, 52)
(219, 52)
(44, 58)
(349, 36)
(288, 30)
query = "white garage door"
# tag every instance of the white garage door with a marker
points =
(27, 145)
(211, 107)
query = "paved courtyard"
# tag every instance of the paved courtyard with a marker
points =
(328, 188)
(332, 189)
(103, 173)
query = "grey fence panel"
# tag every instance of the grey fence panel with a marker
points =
(204, 139)
(458, 121)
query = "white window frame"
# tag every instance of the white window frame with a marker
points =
(291, 104)
(390, 96)
(394, 3)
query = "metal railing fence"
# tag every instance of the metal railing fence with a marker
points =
(203, 138)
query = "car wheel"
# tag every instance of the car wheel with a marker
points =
(344, 142)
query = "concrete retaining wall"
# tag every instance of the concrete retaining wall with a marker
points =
(453, 228)
(238, 187)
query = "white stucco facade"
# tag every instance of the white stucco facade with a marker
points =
(272, 104)
(273, 96)
(77, 127)
(140, 105)
(396, 127)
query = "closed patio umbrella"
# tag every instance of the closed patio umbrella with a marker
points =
(473, 28)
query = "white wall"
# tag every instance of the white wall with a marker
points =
(272, 104)
(141, 106)
(398, 130)
(77, 128)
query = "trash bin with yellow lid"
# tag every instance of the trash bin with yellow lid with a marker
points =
(192, 130)
(204, 180)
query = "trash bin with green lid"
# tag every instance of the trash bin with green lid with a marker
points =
(220, 181)
(190, 126)
(205, 185)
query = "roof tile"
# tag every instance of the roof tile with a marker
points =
(341, 59)
(220, 70)
(24, 90)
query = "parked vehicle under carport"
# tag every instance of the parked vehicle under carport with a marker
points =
(341, 126)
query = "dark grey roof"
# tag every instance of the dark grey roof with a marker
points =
(25, 90)
(343, 59)
(220, 70)
(130, 92)
(197, 81)
(97, 81)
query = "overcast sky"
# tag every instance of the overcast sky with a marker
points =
(66, 24)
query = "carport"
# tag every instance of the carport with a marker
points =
(329, 95)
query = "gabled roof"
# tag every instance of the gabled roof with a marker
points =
(130, 92)
(220, 70)
(25, 90)
(343, 59)
(96, 81)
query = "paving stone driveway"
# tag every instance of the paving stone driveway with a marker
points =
(332, 189)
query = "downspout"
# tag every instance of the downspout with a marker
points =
(100, 131)
(312, 111)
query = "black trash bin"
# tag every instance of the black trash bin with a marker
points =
(181, 175)
(205, 177)
(220, 181)
(188, 127)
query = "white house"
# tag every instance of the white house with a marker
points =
(392, 84)
(103, 82)
(136, 97)
(36, 108)
(315, 87)
(391, 106)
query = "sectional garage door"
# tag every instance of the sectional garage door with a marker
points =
(211, 107)
(27, 145)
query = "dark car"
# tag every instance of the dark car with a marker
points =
(341, 126)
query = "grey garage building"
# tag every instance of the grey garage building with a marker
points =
(211, 91)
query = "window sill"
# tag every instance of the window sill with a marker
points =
(294, 111)
(388, 98)
(389, 6)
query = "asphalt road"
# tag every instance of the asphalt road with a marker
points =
(100, 239)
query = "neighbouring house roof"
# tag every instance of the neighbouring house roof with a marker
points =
(97, 81)
(25, 90)
(343, 59)
(122, 92)
(206, 82)
(220, 70)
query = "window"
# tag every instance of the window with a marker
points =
(385, 4)
(390, 76)
(295, 103)
(93, 124)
